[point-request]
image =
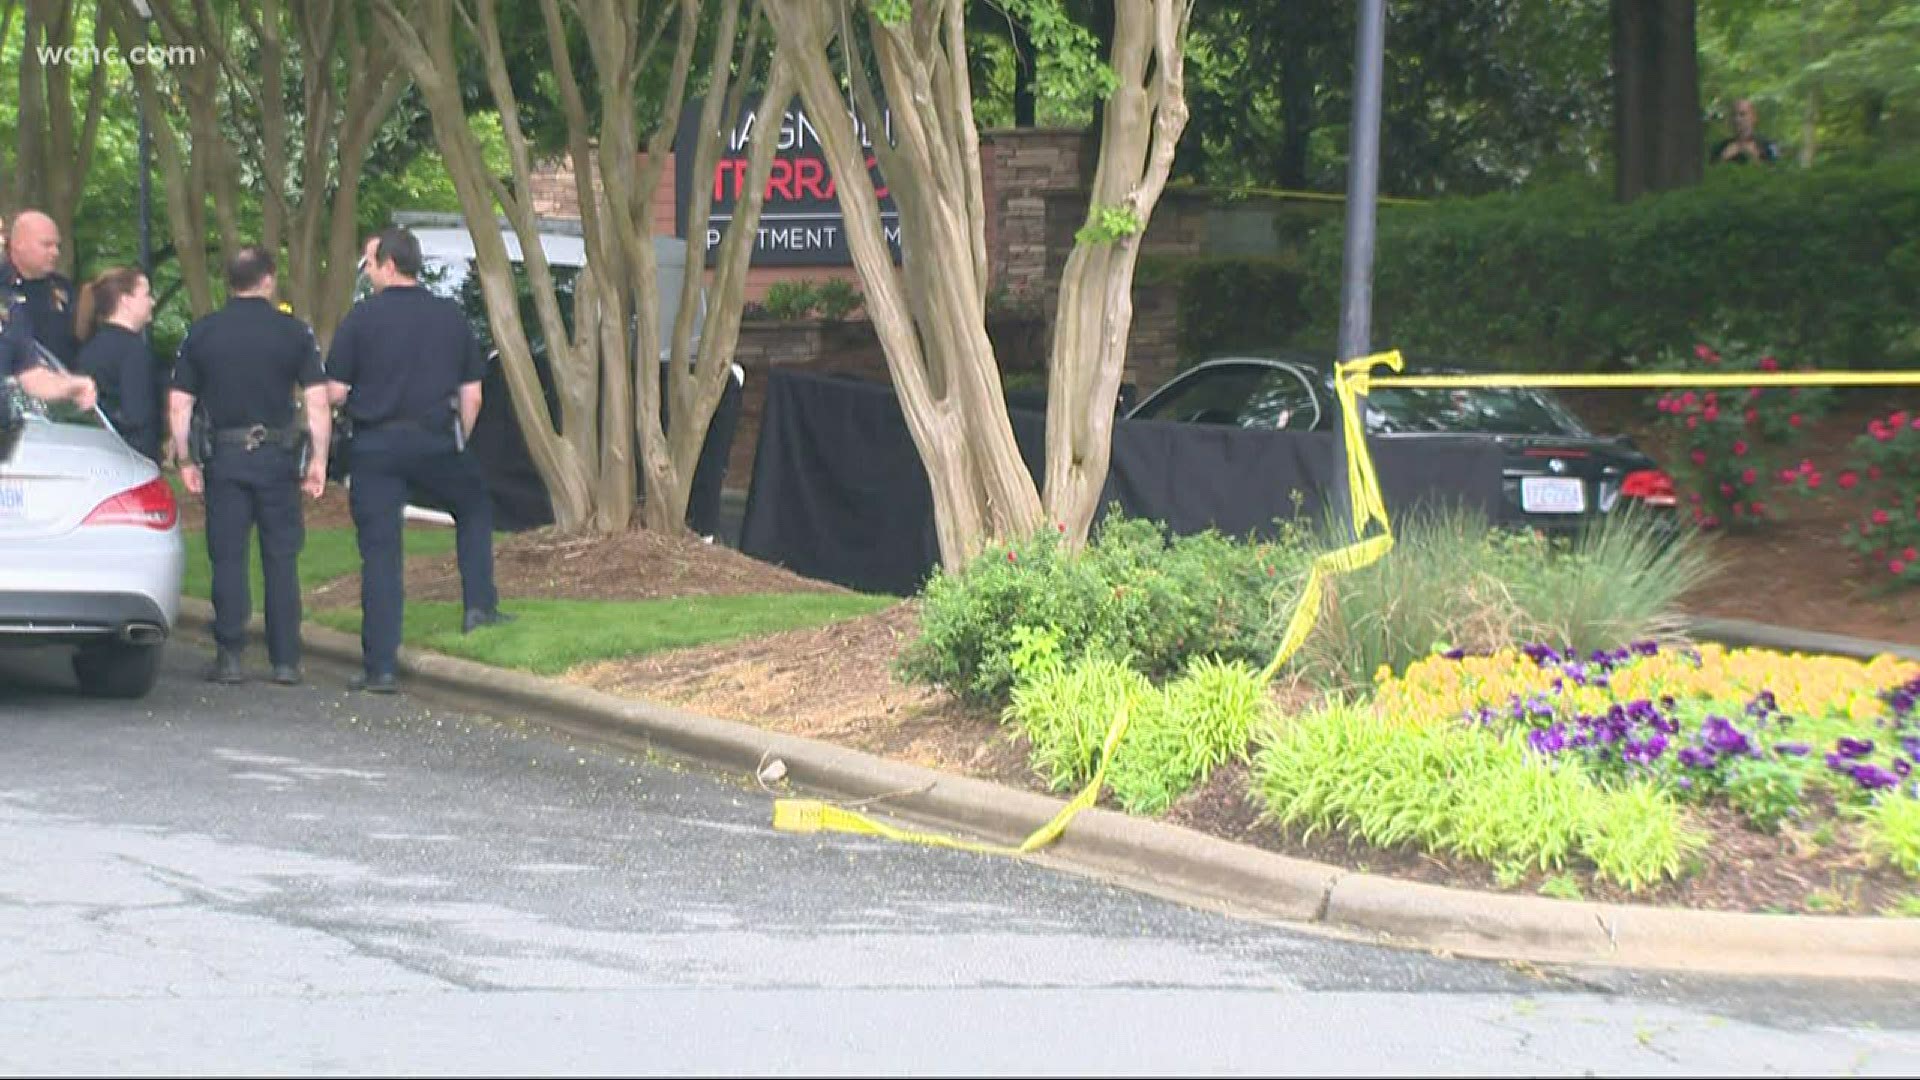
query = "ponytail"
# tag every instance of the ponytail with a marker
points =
(101, 297)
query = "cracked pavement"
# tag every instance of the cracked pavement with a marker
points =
(244, 880)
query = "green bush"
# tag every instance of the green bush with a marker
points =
(1175, 735)
(791, 300)
(1456, 790)
(1066, 710)
(1823, 263)
(1451, 581)
(1232, 304)
(1892, 832)
(1133, 594)
(836, 298)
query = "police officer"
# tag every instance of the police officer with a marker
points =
(30, 268)
(407, 367)
(20, 357)
(241, 366)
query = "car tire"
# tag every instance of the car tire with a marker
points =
(116, 669)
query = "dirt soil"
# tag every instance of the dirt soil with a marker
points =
(1795, 571)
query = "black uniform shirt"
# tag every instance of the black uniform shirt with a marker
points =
(16, 332)
(243, 362)
(122, 367)
(49, 309)
(405, 352)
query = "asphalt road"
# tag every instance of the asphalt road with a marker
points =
(256, 880)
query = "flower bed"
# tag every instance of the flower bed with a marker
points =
(1645, 766)
(1777, 738)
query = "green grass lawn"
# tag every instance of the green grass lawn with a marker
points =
(551, 636)
(328, 554)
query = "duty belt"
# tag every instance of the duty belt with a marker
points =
(253, 438)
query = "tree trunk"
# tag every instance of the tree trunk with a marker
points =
(1142, 125)
(1296, 112)
(54, 145)
(1658, 137)
(930, 314)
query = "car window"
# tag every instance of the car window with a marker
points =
(1487, 411)
(1281, 402)
(1240, 395)
(57, 412)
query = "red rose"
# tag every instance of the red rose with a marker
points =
(1759, 509)
(1880, 517)
(1768, 363)
(1739, 448)
(1794, 420)
(1897, 566)
(1699, 457)
(1748, 477)
(1848, 480)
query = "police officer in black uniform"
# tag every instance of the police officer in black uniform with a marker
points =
(20, 359)
(30, 269)
(407, 367)
(243, 366)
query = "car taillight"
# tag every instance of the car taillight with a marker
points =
(151, 504)
(1653, 487)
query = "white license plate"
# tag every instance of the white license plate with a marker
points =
(13, 500)
(1553, 495)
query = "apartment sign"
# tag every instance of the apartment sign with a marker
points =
(800, 223)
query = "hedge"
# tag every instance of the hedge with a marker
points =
(1822, 265)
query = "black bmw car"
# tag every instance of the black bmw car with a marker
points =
(1557, 474)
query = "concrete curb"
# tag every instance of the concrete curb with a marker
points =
(1168, 859)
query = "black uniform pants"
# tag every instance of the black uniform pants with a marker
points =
(244, 489)
(383, 464)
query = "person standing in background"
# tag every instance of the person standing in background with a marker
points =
(113, 310)
(1748, 146)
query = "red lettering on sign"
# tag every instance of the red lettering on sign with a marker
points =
(879, 189)
(781, 179)
(808, 174)
(738, 167)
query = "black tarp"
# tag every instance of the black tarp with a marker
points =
(838, 491)
(520, 499)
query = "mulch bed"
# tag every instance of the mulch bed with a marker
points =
(834, 683)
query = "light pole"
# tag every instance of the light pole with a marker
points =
(1363, 191)
(146, 157)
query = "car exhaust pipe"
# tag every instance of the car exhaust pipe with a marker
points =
(143, 633)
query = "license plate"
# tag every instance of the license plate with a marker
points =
(13, 500)
(1553, 495)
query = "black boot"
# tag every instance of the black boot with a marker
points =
(286, 674)
(477, 617)
(383, 683)
(226, 669)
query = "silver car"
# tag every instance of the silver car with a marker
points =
(90, 548)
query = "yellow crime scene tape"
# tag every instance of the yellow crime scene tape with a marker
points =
(1351, 379)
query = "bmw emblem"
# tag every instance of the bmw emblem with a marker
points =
(1556, 466)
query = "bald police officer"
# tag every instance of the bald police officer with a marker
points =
(244, 365)
(31, 269)
(407, 367)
